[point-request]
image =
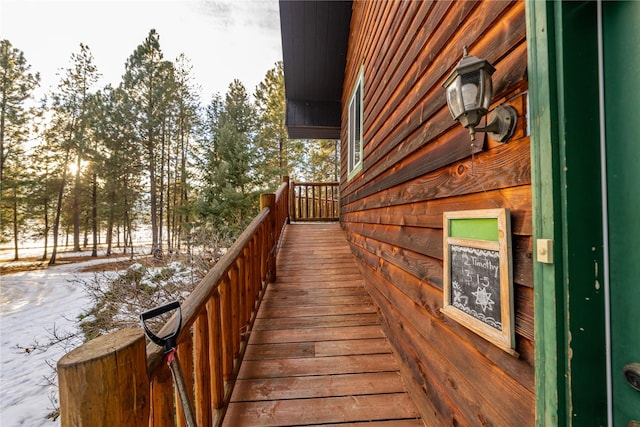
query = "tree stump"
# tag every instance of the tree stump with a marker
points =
(104, 382)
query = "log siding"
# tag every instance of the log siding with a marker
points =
(419, 163)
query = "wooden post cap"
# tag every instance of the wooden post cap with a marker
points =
(101, 347)
(267, 200)
(104, 382)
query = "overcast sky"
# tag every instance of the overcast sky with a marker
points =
(223, 40)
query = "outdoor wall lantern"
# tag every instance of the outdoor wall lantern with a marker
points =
(469, 92)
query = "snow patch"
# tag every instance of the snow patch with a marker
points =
(33, 304)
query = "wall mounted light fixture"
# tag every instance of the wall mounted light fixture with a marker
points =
(469, 91)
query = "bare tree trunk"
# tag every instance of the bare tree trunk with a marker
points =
(76, 207)
(15, 223)
(175, 237)
(56, 221)
(281, 155)
(161, 201)
(126, 230)
(85, 240)
(156, 250)
(3, 156)
(110, 231)
(168, 205)
(94, 216)
(46, 227)
(130, 241)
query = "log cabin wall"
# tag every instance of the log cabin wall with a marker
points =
(419, 163)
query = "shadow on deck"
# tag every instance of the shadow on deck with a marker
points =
(317, 354)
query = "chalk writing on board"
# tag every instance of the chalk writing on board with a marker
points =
(475, 283)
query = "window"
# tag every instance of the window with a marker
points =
(355, 128)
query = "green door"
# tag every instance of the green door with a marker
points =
(621, 47)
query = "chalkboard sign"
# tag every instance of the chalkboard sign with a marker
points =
(475, 283)
(477, 273)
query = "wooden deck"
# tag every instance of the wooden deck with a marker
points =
(317, 354)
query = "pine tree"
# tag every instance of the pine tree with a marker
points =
(69, 134)
(186, 123)
(43, 192)
(148, 83)
(16, 86)
(323, 163)
(278, 154)
(230, 199)
(208, 156)
(207, 159)
(95, 165)
(120, 163)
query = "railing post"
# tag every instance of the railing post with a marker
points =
(201, 364)
(269, 201)
(242, 290)
(226, 308)
(236, 306)
(185, 356)
(286, 205)
(292, 201)
(104, 382)
(163, 398)
(215, 350)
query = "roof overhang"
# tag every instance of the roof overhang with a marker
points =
(315, 37)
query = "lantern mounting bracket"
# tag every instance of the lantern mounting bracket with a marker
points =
(502, 124)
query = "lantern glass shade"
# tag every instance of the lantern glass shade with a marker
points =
(487, 82)
(469, 90)
(454, 98)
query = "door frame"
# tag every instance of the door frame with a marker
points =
(620, 62)
(570, 295)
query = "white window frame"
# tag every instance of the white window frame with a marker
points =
(354, 127)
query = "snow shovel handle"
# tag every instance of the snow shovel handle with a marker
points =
(167, 342)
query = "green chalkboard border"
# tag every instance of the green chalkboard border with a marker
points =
(474, 228)
(482, 229)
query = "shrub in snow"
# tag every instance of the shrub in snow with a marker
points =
(117, 301)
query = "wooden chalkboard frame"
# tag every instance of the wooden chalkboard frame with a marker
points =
(484, 232)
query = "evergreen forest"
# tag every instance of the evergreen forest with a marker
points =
(89, 166)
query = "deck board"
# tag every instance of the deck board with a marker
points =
(317, 354)
(357, 319)
(323, 410)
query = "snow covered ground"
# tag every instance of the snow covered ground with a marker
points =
(32, 304)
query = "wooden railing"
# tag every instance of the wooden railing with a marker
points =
(315, 201)
(112, 380)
